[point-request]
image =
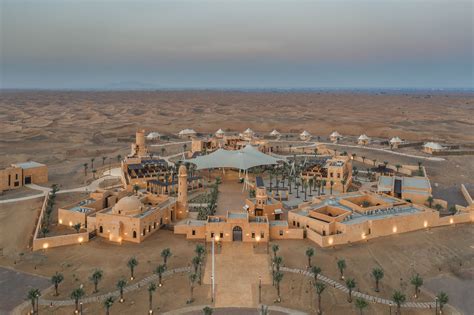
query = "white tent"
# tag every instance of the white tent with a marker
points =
(153, 136)
(243, 159)
(433, 146)
(220, 132)
(396, 140)
(274, 133)
(187, 132)
(335, 134)
(363, 137)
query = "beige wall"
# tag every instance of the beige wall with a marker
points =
(60, 240)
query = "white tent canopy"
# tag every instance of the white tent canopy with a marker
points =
(274, 133)
(243, 159)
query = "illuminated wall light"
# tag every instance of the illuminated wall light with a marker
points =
(425, 224)
(364, 236)
(394, 229)
(80, 239)
(45, 245)
(451, 220)
(330, 241)
(60, 221)
(70, 223)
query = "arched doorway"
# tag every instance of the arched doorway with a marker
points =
(237, 234)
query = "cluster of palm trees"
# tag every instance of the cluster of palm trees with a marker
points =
(78, 294)
(211, 200)
(398, 297)
(46, 221)
(118, 157)
(196, 274)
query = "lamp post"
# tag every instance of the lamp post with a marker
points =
(213, 280)
(259, 289)
(390, 307)
(436, 305)
(80, 307)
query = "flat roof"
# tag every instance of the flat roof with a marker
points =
(278, 223)
(417, 182)
(237, 215)
(30, 164)
(394, 212)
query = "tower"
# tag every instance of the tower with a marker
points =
(182, 193)
(139, 147)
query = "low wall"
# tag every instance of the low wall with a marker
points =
(288, 234)
(454, 152)
(60, 240)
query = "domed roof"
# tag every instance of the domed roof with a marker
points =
(364, 137)
(128, 205)
(305, 134)
(335, 134)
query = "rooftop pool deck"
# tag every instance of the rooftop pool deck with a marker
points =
(356, 218)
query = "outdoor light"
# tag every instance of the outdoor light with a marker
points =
(131, 278)
(45, 245)
(330, 241)
(425, 224)
(121, 300)
(60, 221)
(80, 239)
(451, 221)
(394, 229)
(150, 312)
(257, 238)
(217, 238)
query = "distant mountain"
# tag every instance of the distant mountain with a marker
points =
(131, 85)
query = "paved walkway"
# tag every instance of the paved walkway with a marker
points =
(116, 293)
(429, 158)
(367, 297)
(229, 310)
(91, 187)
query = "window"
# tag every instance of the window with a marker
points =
(294, 223)
(221, 235)
(262, 235)
(253, 234)
(298, 224)
(331, 175)
(324, 233)
(338, 175)
(281, 232)
(212, 234)
(154, 225)
(134, 234)
(194, 232)
(144, 232)
(16, 176)
(149, 228)
(101, 229)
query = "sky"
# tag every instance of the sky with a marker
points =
(72, 44)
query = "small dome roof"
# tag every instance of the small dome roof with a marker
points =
(220, 132)
(335, 134)
(128, 205)
(274, 133)
(187, 131)
(364, 137)
(153, 135)
(305, 133)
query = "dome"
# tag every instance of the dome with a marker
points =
(433, 146)
(335, 134)
(396, 140)
(220, 132)
(128, 205)
(305, 134)
(274, 133)
(363, 137)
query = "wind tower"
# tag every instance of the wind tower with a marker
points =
(139, 148)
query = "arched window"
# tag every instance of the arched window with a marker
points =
(144, 232)
(101, 229)
(149, 228)
(134, 234)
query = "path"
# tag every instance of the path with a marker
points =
(429, 158)
(367, 297)
(237, 269)
(197, 310)
(91, 187)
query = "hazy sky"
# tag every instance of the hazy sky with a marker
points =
(236, 44)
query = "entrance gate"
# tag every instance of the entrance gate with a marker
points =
(237, 234)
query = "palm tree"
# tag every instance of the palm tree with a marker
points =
(399, 298)
(305, 187)
(33, 295)
(350, 283)
(361, 304)
(297, 184)
(159, 271)
(151, 289)
(108, 304)
(309, 254)
(331, 182)
(120, 285)
(442, 300)
(200, 250)
(192, 280)
(132, 263)
(165, 254)
(85, 168)
(56, 279)
(323, 184)
(378, 274)
(76, 295)
(319, 290)
(136, 188)
(375, 161)
(95, 278)
(103, 160)
(277, 277)
(430, 201)
(438, 207)
(343, 182)
(341, 265)
(94, 171)
(310, 184)
(207, 310)
(77, 227)
(398, 167)
(278, 261)
(417, 282)
(92, 163)
(316, 271)
(363, 159)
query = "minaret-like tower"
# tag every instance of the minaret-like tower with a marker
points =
(182, 192)
(139, 147)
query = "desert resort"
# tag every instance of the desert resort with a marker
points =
(238, 192)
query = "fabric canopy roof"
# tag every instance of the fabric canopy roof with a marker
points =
(243, 159)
